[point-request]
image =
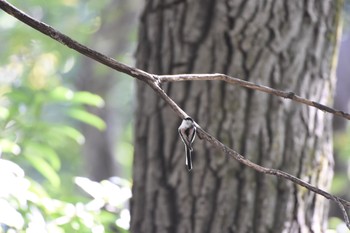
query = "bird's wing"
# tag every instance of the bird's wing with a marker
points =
(184, 140)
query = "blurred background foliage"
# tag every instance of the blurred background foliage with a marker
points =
(66, 121)
(45, 186)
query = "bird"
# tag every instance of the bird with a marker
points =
(187, 132)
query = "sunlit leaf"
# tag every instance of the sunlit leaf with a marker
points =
(45, 169)
(9, 147)
(70, 132)
(89, 98)
(124, 220)
(91, 187)
(4, 112)
(9, 167)
(19, 95)
(10, 216)
(334, 222)
(82, 97)
(125, 153)
(45, 152)
(115, 194)
(61, 94)
(88, 118)
(120, 181)
(13, 183)
(38, 189)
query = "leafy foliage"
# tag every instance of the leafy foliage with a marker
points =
(39, 137)
(25, 205)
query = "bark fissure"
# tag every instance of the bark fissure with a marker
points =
(258, 205)
(243, 142)
(215, 206)
(174, 214)
(171, 51)
(159, 42)
(140, 188)
(229, 52)
(221, 121)
(152, 223)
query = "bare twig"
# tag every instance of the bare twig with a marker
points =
(343, 210)
(154, 80)
(250, 85)
(228, 151)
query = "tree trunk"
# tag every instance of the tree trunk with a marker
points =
(288, 45)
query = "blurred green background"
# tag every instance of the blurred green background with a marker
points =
(66, 121)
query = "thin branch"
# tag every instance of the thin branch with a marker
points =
(269, 171)
(250, 85)
(154, 82)
(343, 210)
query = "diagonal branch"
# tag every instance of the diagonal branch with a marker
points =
(343, 210)
(270, 171)
(154, 82)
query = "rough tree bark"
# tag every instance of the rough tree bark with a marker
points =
(288, 45)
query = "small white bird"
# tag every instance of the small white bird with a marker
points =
(187, 131)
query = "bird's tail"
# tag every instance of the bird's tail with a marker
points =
(189, 159)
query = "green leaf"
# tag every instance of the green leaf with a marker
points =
(45, 169)
(81, 97)
(9, 147)
(89, 98)
(61, 94)
(125, 153)
(69, 132)
(93, 188)
(45, 152)
(19, 95)
(37, 189)
(4, 112)
(87, 118)
(334, 222)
